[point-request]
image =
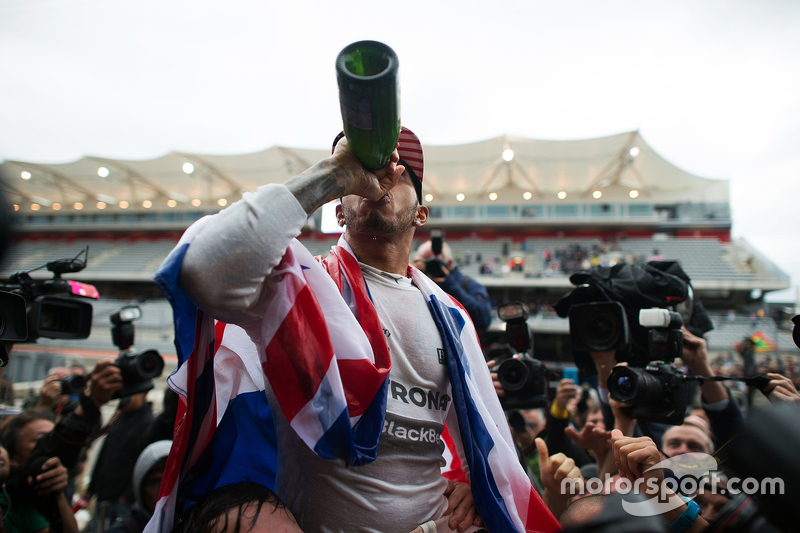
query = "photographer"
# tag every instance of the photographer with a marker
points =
(111, 477)
(725, 418)
(52, 394)
(21, 513)
(40, 453)
(471, 294)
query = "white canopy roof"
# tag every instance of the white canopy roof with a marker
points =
(615, 165)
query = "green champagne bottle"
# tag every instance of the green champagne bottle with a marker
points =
(369, 97)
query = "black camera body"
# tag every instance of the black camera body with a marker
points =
(52, 308)
(659, 392)
(434, 268)
(523, 378)
(72, 385)
(137, 369)
(525, 381)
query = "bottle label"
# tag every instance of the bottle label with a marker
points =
(357, 112)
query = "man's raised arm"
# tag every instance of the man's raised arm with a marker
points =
(234, 251)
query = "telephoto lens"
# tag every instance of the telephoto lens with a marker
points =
(634, 385)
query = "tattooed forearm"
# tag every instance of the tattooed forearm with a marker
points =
(318, 185)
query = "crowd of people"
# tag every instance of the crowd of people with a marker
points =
(44, 451)
(558, 261)
(728, 365)
(350, 393)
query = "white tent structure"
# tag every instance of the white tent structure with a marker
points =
(617, 168)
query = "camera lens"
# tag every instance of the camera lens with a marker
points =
(625, 385)
(149, 364)
(513, 375)
(635, 385)
(599, 330)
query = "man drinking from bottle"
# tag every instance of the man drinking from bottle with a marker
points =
(369, 368)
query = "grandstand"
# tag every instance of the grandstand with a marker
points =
(549, 207)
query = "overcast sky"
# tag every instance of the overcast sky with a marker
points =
(712, 86)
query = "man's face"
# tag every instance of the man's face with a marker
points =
(278, 521)
(597, 419)
(28, 437)
(710, 504)
(392, 214)
(678, 440)
(151, 484)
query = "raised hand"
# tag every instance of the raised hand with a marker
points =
(53, 478)
(566, 391)
(781, 389)
(361, 182)
(103, 382)
(590, 437)
(554, 471)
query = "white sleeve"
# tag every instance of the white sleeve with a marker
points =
(226, 264)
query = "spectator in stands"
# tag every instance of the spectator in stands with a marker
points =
(471, 294)
(147, 475)
(111, 478)
(242, 507)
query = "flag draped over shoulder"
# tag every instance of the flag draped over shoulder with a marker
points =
(503, 493)
(322, 350)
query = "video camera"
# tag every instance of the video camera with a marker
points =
(138, 369)
(635, 312)
(523, 378)
(53, 308)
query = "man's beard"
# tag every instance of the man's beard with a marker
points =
(377, 223)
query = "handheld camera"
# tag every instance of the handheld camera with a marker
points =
(659, 392)
(138, 369)
(434, 265)
(523, 378)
